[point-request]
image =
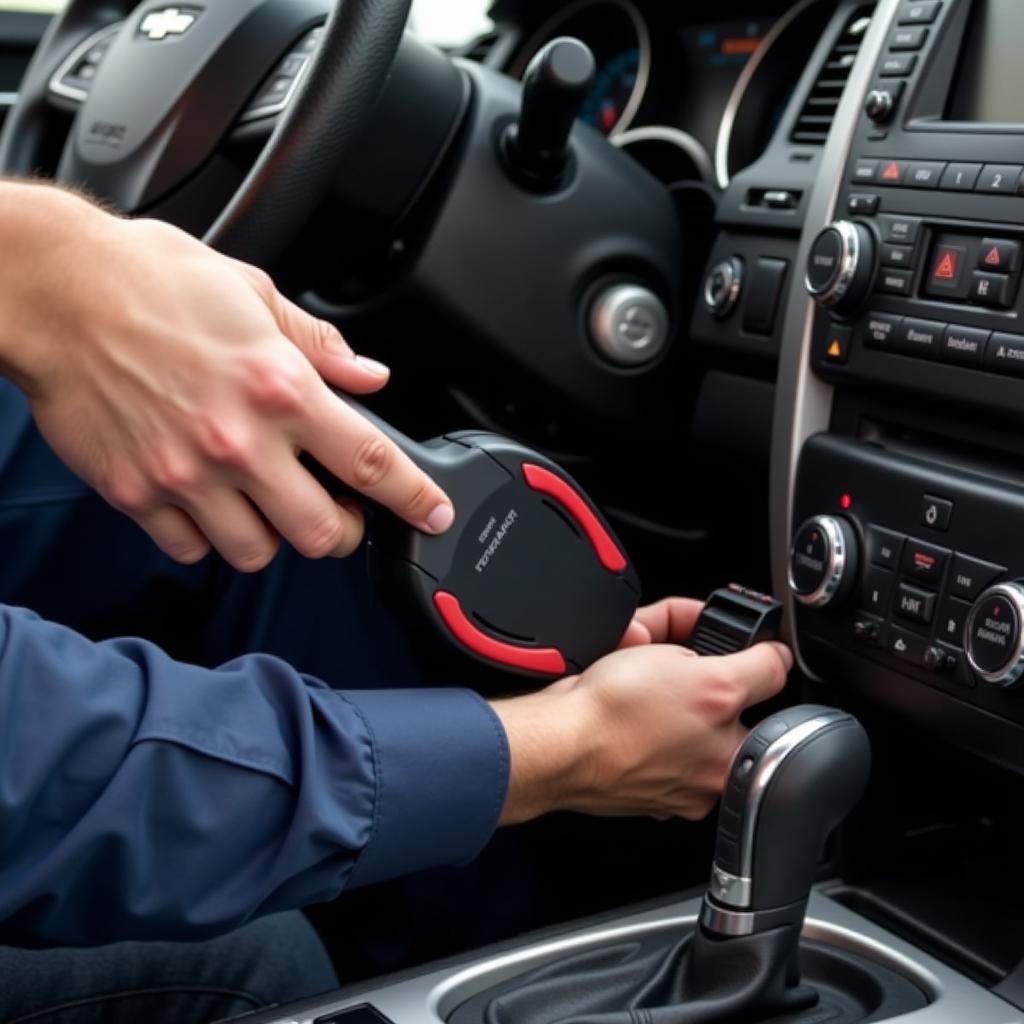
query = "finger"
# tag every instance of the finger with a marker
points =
(671, 620)
(235, 529)
(320, 341)
(760, 671)
(174, 533)
(636, 635)
(304, 513)
(357, 452)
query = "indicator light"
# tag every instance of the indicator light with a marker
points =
(845, 502)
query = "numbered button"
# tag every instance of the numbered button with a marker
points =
(1001, 178)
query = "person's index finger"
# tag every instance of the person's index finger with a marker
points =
(760, 671)
(365, 458)
(670, 621)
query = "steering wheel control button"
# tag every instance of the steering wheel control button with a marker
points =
(936, 513)
(924, 563)
(994, 638)
(629, 324)
(884, 547)
(823, 561)
(278, 89)
(73, 79)
(915, 604)
(970, 576)
(723, 287)
(840, 264)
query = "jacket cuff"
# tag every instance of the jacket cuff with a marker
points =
(441, 768)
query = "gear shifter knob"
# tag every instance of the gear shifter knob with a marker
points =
(794, 778)
(555, 85)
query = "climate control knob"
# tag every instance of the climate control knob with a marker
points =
(994, 635)
(823, 561)
(841, 264)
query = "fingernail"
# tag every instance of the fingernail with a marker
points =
(372, 366)
(440, 519)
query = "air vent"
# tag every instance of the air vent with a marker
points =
(816, 116)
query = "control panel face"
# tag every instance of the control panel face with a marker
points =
(929, 597)
(937, 306)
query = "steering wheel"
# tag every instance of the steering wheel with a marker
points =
(396, 129)
(151, 118)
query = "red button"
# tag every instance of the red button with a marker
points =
(546, 482)
(547, 660)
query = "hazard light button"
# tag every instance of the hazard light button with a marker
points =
(999, 255)
(948, 272)
(836, 347)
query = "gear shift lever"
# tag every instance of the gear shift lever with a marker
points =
(795, 777)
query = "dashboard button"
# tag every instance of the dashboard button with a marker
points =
(991, 289)
(936, 512)
(903, 230)
(920, 338)
(1000, 178)
(993, 635)
(919, 12)
(970, 576)
(897, 255)
(837, 344)
(898, 66)
(915, 604)
(891, 172)
(1005, 354)
(884, 547)
(878, 590)
(894, 282)
(879, 330)
(925, 174)
(905, 39)
(960, 177)
(906, 645)
(952, 616)
(948, 272)
(864, 171)
(964, 345)
(766, 283)
(924, 563)
(863, 203)
(1000, 255)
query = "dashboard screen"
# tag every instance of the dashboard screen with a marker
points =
(989, 85)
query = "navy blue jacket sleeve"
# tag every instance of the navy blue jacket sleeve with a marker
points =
(144, 798)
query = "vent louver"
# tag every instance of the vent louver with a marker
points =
(819, 110)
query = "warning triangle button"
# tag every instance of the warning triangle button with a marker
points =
(837, 345)
(892, 171)
(945, 269)
(993, 258)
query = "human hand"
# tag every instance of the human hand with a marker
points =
(649, 730)
(183, 386)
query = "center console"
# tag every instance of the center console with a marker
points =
(898, 467)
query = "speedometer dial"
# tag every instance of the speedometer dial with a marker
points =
(621, 43)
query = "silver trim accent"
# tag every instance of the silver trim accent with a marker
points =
(835, 565)
(8, 99)
(549, 29)
(1012, 672)
(767, 767)
(732, 268)
(729, 888)
(836, 288)
(803, 402)
(71, 92)
(430, 997)
(674, 136)
(739, 89)
(726, 922)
